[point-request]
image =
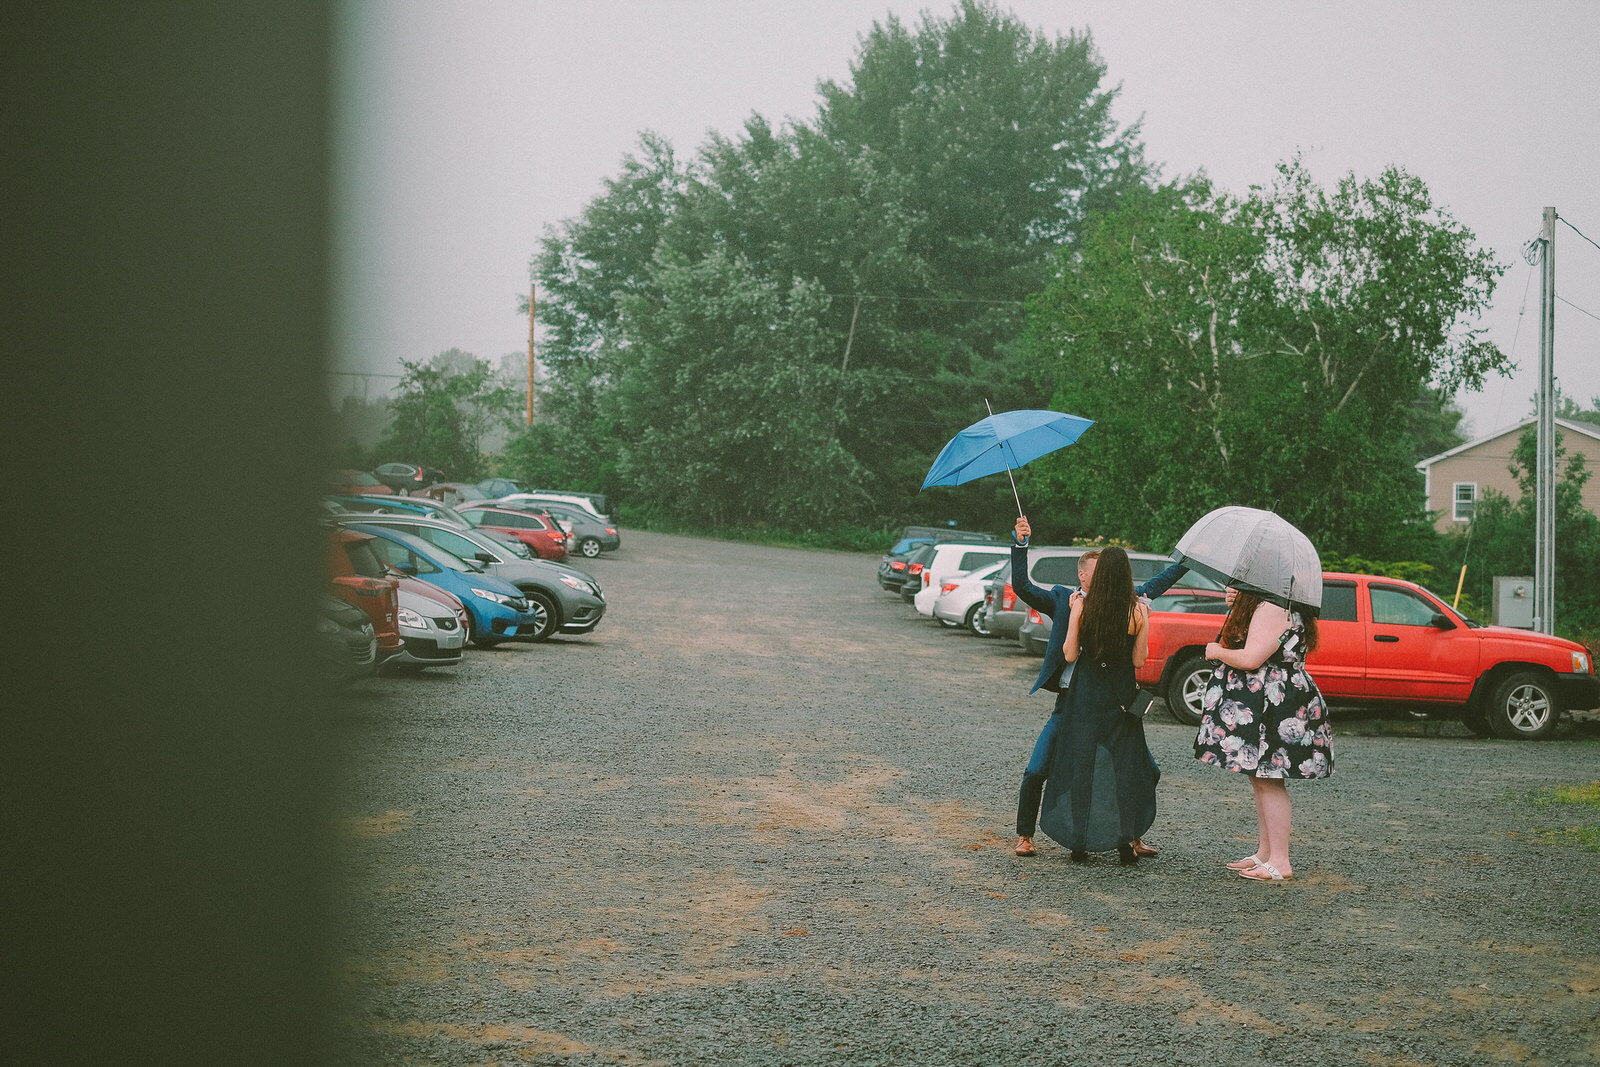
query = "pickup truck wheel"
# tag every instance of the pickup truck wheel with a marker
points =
(1186, 689)
(976, 622)
(1523, 707)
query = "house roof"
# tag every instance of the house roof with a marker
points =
(1588, 429)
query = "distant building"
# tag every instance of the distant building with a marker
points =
(1454, 481)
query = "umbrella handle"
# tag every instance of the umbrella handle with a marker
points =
(1003, 456)
(1014, 495)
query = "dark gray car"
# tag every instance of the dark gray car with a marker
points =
(565, 599)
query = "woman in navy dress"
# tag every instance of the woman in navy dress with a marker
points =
(1055, 603)
(1101, 793)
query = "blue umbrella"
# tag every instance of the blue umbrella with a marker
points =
(1003, 442)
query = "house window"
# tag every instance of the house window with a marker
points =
(1466, 500)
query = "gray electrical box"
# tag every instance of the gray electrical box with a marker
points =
(1513, 602)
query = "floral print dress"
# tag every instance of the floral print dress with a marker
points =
(1270, 722)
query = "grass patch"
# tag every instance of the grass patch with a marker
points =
(1587, 796)
(1584, 837)
(1582, 801)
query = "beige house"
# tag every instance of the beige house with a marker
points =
(1454, 481)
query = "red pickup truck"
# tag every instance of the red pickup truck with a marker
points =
(1385, 641)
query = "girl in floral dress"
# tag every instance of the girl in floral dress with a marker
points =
(1263, 716)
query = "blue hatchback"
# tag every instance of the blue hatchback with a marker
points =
(497, 609)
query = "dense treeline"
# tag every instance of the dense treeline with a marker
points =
(785, 328)
(781, 330)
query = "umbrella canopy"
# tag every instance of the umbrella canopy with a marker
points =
(1258, 552)
(1004, 441)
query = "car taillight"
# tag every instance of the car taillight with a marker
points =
(915, 568)
(558, 538)
(927, 579)
(898, 565)
(948, 587)
(1034, 616)
(1008, 597)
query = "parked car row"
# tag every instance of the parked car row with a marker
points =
(414, 481)
(1383, 641)
(429, 581)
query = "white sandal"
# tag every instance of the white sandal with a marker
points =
(1272, 874)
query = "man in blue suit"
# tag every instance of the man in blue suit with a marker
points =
(1056, 603)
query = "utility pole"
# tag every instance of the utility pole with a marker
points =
(533, 293)
(1544, 506)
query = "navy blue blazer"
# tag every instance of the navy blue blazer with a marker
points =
(1054, 603)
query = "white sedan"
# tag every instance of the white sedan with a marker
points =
(960, 601)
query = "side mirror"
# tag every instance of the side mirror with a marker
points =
(1442, 621)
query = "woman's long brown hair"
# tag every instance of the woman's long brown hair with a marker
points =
(1237, 625)
(1108, 608)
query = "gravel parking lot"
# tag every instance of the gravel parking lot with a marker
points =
(764, 816)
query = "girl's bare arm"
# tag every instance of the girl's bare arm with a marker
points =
(1070, 645)
(1141, 635)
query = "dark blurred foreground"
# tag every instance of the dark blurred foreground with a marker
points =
(165, 242)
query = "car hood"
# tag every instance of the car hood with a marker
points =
(544, 572)
(416, 587)
(1526, 637)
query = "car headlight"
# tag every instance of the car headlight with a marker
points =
(411, 619)
(577, 583)
(327, 626)
(1580, 663)
(495, 598)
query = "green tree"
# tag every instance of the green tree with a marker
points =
(1250, 351)
(732, 408)
(910, 219)
(441, 412)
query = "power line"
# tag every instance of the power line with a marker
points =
(1580, 233)
(1512, 354)
(1576, 308)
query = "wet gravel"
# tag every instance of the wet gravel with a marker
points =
(764, 816)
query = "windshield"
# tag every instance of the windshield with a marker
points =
(442, 556)
(464, 547)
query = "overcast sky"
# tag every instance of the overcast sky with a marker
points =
(466, 127)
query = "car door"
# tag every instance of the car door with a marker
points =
(1408, 657)
(1339, 665)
